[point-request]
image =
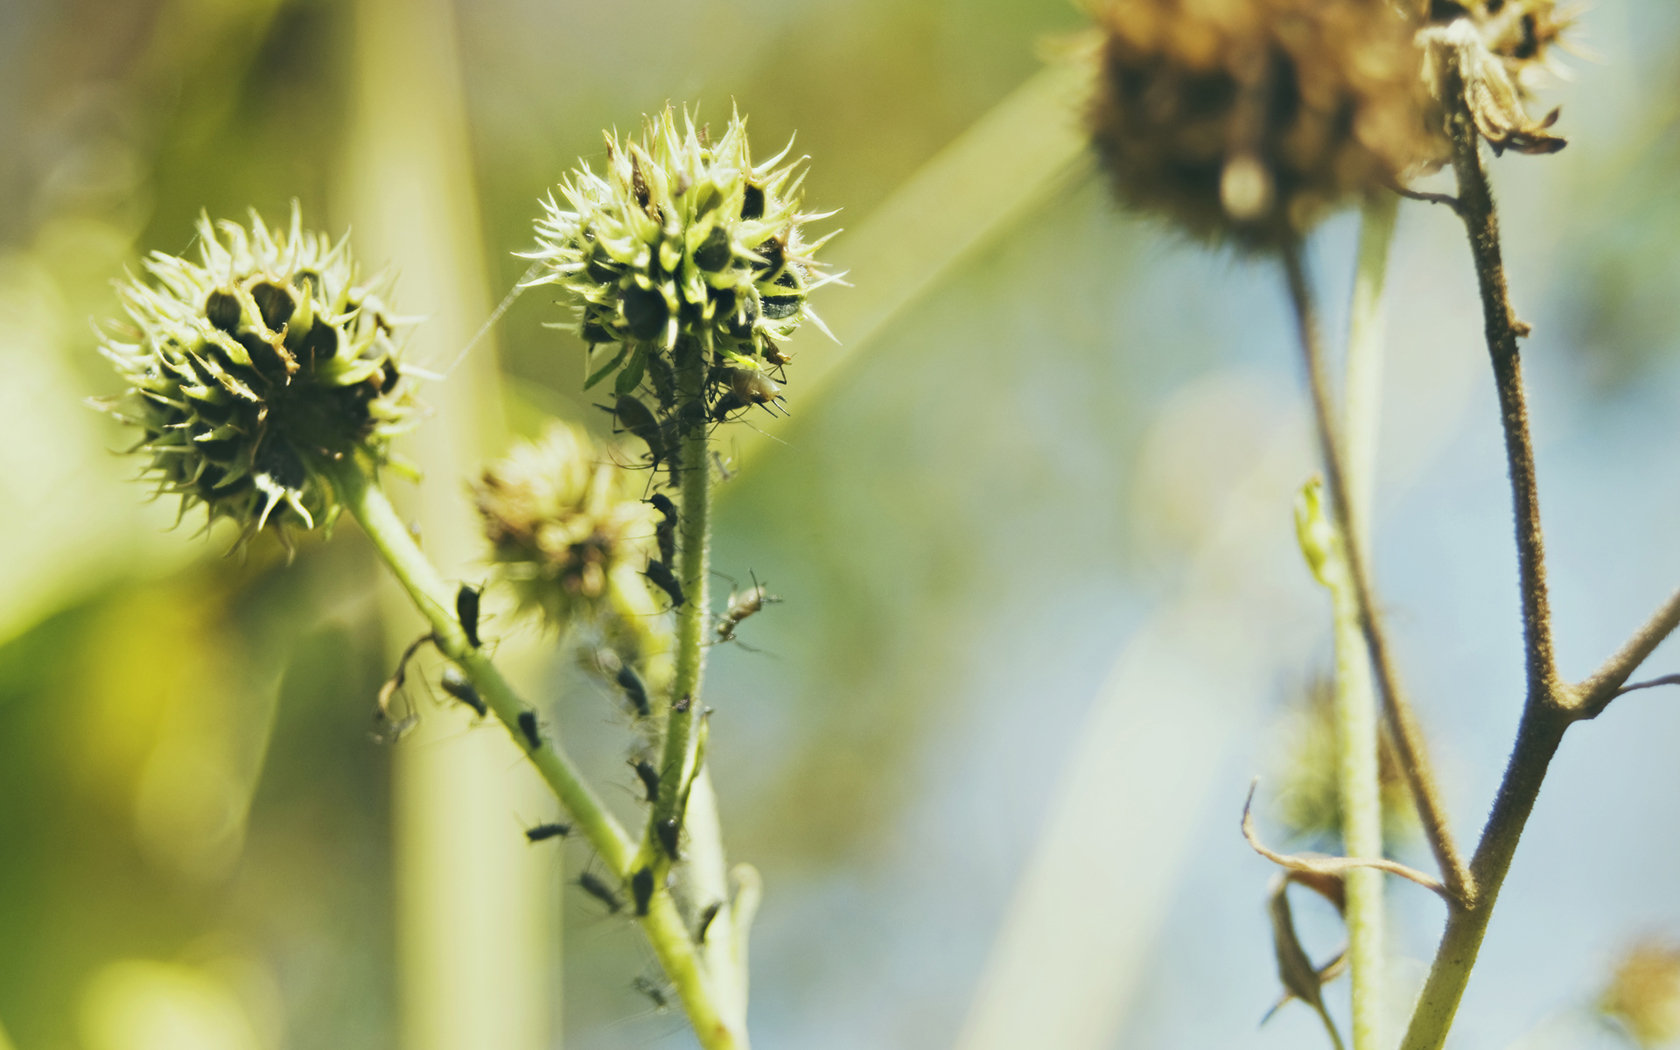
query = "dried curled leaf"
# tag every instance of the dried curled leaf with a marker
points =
(1457, 62)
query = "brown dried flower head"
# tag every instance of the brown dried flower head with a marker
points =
(1247, 119)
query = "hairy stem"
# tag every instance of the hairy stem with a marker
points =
(435, 600)
(1408, 739)
(684, 712)
(1502, 329)
(1538, 737)
(1356, 704)
(1605, 684)
(1547, 708)
(685, 791)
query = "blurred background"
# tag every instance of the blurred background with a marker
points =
(1044, 617)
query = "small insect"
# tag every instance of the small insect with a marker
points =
(638, 182)
(649, 776)
(641, 888)
(655, 994)
(706, 918)
(596, 887)
(528, 726)
(681, 703)
(662, 577)
(752, 386)
(669, 833)
(665, 533)
(383, 714)
(664, 380)
(466, 607)
(639, 420)
(635, 690)
(724, 405)
(543, 832)
(742, 606)
(455, 684)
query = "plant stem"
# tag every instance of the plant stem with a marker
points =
(1502, 329)
(664, 926)
(685, 791)
(1408, 740)
(693, 572)
(1596, 692)
(1547, 706)
(1356, 706)
(1538, 737)
(1362, 409)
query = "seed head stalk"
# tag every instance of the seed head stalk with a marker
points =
(361, 495)
(1355, 698)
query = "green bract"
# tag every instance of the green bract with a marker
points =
(681, 238)
(251, 365)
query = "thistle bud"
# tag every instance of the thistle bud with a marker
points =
(681, 242)
(1247, 119)
(570, 530)
(252, 366)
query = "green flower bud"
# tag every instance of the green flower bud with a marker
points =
(681, 239)
(571, 532)
(249, 367)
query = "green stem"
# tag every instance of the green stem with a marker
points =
(685, 791)
(1538, 737)
(1403, 728)
(693, 572)
(1355, 703)
(664, 926)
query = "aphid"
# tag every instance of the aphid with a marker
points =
(666, 531)
(669, 833)
(543, 832)
(528, 726)
(455, 684)
(727, 403)
(635, 690)
(752, 386)
(681, 703)
(466, 607)
(664, 380)
(706, 918)
(663, 578)
(638, 182)
(775, 355)
(654, 993)
(641, 888)
(388, 692)
(597, 887)
(649, 776)
(639, 420)
(742, 606)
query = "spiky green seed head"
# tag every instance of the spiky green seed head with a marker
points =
(570, 531)
(246, 368)
(681, 237)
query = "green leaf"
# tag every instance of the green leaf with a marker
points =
(601, 373)
(631, 377)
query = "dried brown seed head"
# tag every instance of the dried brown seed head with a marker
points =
(1246, 120)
